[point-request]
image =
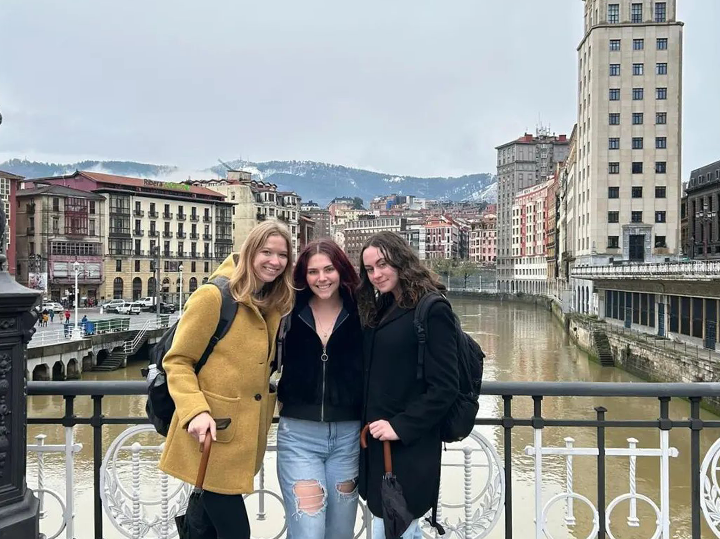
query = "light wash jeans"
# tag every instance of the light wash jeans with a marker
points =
(327, 453)
(413, 531)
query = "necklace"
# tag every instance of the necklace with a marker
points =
(324, 332)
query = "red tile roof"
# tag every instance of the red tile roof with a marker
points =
(141, 182)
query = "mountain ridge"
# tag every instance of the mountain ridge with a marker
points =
(312, 180)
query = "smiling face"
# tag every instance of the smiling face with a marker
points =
(381, 274)
(322, 277)
(270, 260)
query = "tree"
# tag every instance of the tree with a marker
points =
(466, 268)
(357, 203)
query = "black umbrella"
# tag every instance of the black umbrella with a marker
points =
(396, 515)
(195, 523)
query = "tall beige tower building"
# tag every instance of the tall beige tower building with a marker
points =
(627, 183)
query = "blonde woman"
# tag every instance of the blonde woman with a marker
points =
(234, 382)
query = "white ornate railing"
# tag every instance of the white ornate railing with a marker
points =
(681, 270)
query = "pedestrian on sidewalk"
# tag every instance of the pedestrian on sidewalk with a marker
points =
(67, 316)
(51, 313)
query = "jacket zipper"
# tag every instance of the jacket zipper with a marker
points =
(324, 358)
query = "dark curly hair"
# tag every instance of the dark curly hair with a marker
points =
(415, 280)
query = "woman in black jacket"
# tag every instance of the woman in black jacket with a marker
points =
(321, 395)
(399, 405)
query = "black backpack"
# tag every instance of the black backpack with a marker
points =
(160, 406)
(460, 419)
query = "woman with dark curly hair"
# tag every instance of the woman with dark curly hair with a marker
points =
(400, 404)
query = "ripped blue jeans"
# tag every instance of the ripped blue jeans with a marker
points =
(318, 469)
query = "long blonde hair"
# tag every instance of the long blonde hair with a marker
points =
(278, 294)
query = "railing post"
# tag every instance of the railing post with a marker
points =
(19, 508)
(537, 425)
(600, 410)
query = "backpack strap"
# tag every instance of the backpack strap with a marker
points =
(276, 365)
(228, 310)
(421, 313)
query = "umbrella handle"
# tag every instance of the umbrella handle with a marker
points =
(205, 448)
(387, 453)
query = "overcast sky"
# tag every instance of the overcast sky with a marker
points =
(401, 86)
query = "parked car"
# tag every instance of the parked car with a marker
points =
(54, 305)
(112, 305)
(147, 303)
(130, 308)
(167, 307)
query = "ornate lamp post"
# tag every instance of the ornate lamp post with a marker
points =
(180, 269)
(19, 508)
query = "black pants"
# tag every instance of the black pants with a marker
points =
(228, 515)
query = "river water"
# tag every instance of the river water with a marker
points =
(523, 343)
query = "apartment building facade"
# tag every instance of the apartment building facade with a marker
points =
(155, 225)
(446, 238)
(483, 240)
(627, 180)
(8, 187)
(703, 213)
(521, 163)
(529, 239)
(357, 232)
(57, 228)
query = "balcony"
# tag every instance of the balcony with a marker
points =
(138, 232)
(207, 237)
(30, 231)
(167, 215)
(679, 271)
(207, 219)
(139, 252)
(167, 234)
(30, 208)
(194, 217)
(181, 254)
(153, 233)
(181, 216)
(194, 236)
(260, 216)
(207, 256)
(117, 210)
(167, 254)
(193, 254)
(512, 445)
(139, 213)
(181, 235)
(153, 214)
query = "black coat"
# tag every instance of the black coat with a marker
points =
(315, 391)
(413, 407)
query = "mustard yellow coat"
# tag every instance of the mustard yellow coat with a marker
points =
(233, 383)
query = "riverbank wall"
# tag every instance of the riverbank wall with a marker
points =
(644, 356)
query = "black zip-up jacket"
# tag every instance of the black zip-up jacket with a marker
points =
(318, 390)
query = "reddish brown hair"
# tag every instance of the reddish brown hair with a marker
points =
(349, 279)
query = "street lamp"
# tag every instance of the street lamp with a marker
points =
(705, 217)
(180, 269)
(76, 330)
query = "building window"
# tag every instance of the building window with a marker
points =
(614, 44)
(613, 217)
(614, 118)
(660, 242)
(92, 207)
(56, 204)
(636, 217)
(637, 118)
(660, 167)
(137, 265)
(613, 143)
(661, 143)
(662, 43)
(638, 69)
(207, 267)
(637, 143)
(638, 94)
(637, 167)
(661, 118)
(661, 69)
(638, 44)
(661, 93)
(660, 191)
(192, 267)
(118, 265)
(614, 13)
(660, 12)
(637, 192)
(613, 192)
(613, 242)
(613, 168)
(659, 216)
(614, 70)
(636, 13)
(614, 94)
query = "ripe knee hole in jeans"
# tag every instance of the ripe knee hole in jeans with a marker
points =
(310, 496)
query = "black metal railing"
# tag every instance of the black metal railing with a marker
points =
(507, 391)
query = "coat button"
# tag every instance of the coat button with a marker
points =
(258, 397)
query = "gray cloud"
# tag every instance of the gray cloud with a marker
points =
(406, 87)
